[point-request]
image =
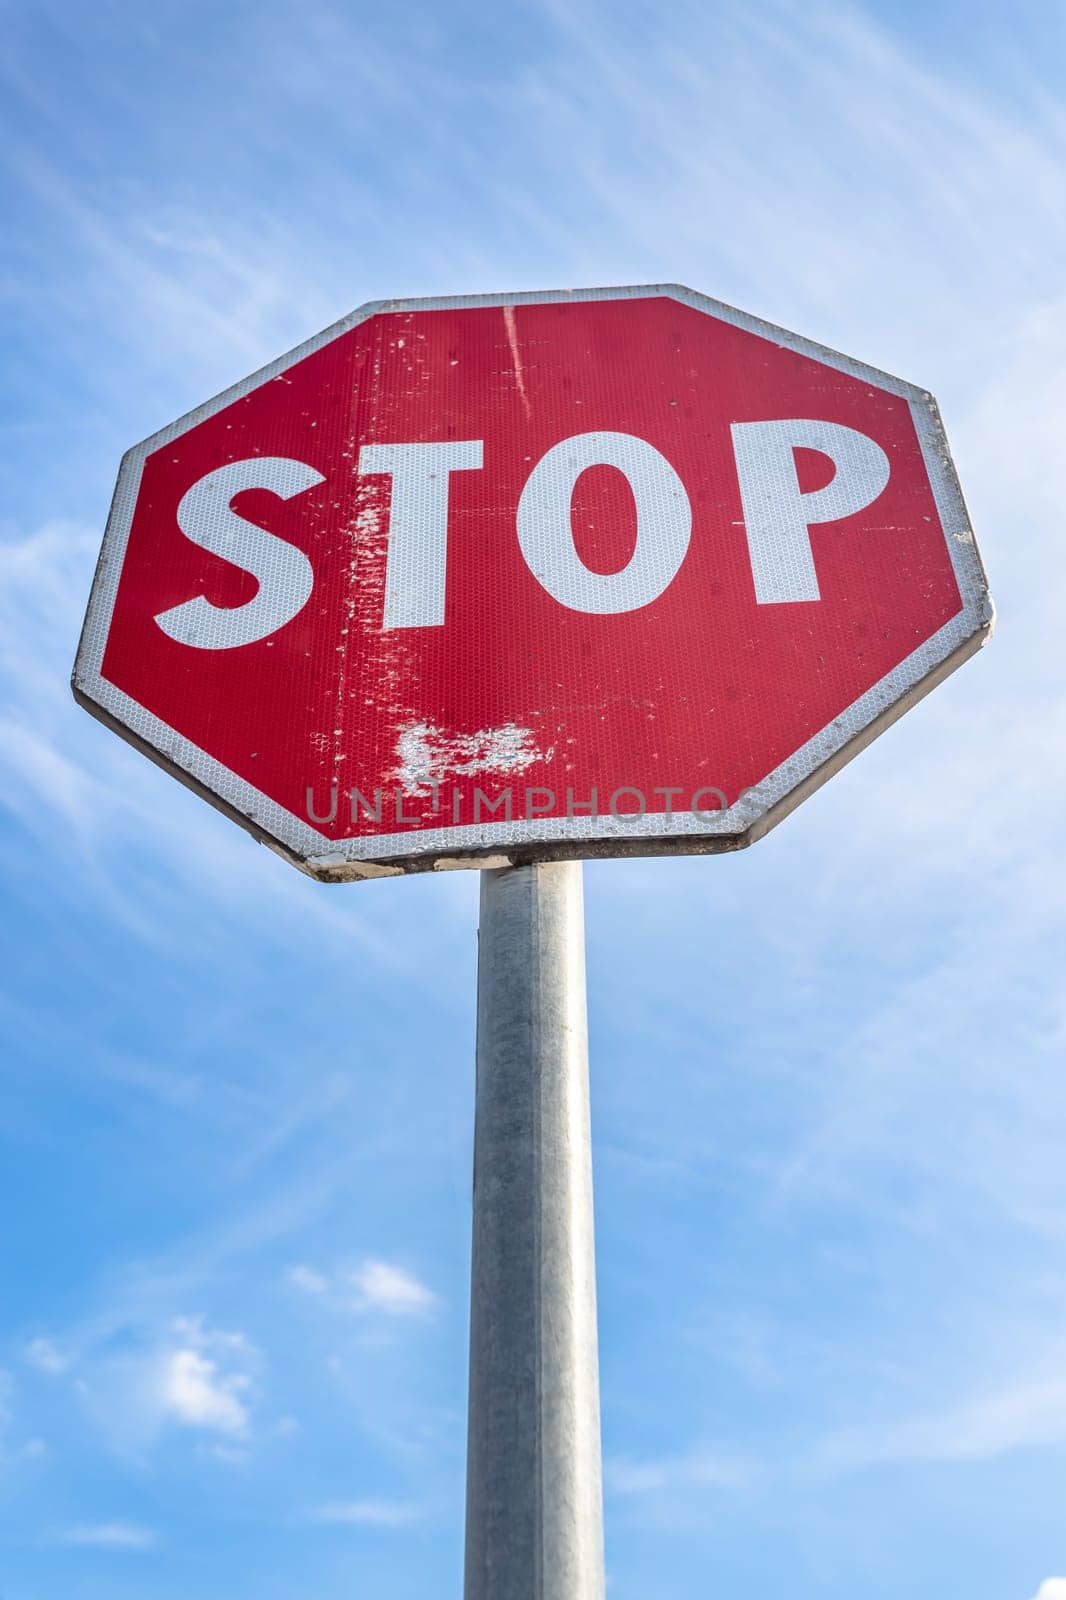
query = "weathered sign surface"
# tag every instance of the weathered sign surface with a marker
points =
(508, 578)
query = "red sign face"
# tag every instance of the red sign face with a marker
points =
(518, 578)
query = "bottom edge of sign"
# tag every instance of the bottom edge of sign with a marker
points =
(338, 868)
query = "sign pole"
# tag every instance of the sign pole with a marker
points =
(534, 1522)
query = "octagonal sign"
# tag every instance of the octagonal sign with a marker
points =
(512, 578)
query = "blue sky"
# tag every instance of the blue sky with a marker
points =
(829, 1100)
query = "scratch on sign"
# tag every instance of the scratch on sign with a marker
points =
(427, 754)
(512, 340)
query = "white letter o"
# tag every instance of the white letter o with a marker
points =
(545, 534)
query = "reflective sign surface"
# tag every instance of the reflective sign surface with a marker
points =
(614, 572)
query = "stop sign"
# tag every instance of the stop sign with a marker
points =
(512, 578)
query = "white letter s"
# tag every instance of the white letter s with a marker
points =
(284, 574)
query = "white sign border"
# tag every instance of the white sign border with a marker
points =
(543, 838)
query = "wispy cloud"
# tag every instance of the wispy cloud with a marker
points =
(43, 1354)
(307, 1280)
(368, 1513)
(380, 1286)
(111, 1536)
(699, 1469)
(373, 1286)
(1025, 1415)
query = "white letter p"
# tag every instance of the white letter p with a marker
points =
(778, 514)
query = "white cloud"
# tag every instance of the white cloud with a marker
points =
(42, 1354)
(203, 1382)
(112, 1536)
(196, 1393)
(137, 1383)
(387, 1288)
(368, 1513)
(1051, 1589)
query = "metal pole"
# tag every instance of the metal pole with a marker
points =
(534, 1510)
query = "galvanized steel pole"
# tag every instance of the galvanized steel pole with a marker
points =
(534, 1519)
